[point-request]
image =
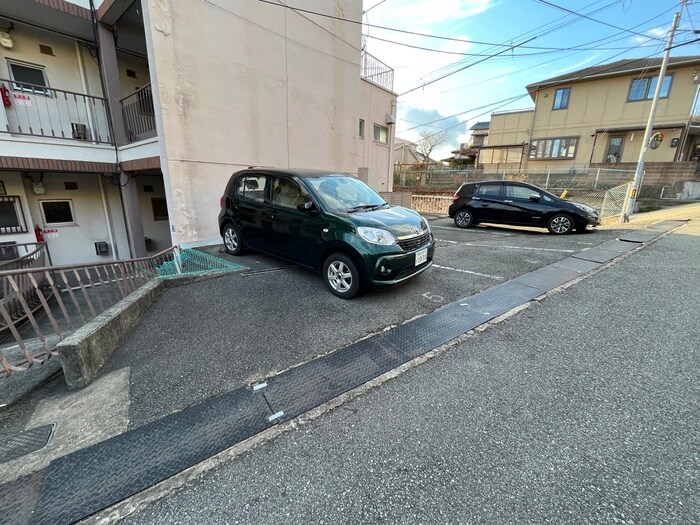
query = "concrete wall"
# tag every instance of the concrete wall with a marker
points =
(510, 128)
(249, 84)
(374, 104)
(156, 230)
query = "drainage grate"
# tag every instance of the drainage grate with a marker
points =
(17, 445)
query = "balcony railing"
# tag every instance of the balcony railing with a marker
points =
(139, 115)
(376, 71)
(41, 111)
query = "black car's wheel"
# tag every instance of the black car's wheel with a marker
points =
(233, 242)
(560, 224)
(464, 219)
(341, 276)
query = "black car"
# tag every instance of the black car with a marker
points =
(330, 222)
(520, 204)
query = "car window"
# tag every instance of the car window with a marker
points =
(466, 191)
(252, 187)
(489, 190)
(344, 193)
(288, 193)
(519, 192)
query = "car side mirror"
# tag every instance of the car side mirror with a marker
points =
(535, 198)
(307, 207)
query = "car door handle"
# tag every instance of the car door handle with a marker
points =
(509, 201)
(476, 198)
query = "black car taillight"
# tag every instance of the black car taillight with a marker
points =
(221, 202)
(455, 197)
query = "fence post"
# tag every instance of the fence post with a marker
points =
(595, 184)
(602, 207)
(504, 175)
(546, 183)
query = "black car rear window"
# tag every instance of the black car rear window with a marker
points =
(466, 190)
(489, 189)
(252, 187)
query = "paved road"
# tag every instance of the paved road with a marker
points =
(584, 408)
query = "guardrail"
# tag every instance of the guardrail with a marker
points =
(376, 71)
(43, 111)
(139, 115)
(41, 305)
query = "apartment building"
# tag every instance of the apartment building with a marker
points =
(122, 120)
(597, 117)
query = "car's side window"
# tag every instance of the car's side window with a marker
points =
(288, 193)
(252, 187)
(519, 192)
(489, 190)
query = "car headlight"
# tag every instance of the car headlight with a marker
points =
(424, 225)
(586, 209)
(376, 235)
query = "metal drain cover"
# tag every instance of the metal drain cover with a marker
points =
(22, 443)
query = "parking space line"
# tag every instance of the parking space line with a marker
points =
(506, 246)
(472, 230)
(495, 277)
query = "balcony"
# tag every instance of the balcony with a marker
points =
(376, 71)
(42, 111)
(139, 115)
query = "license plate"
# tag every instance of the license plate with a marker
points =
(421, 256)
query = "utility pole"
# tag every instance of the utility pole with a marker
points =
(639, 173)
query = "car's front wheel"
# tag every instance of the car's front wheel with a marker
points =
(560, 224)
(464, 219)
(341, 276)
(233, 242)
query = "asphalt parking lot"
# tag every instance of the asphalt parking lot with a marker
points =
(214, 336)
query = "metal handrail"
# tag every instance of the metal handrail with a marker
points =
(139, 114)
(374, 70)
(56, 113)
(45, 304)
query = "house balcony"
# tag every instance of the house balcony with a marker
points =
(47, 112)
(376, 71)
(139, 115)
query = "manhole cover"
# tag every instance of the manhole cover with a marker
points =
(17, 445)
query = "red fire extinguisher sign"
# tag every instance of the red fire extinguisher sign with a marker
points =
(5, 93)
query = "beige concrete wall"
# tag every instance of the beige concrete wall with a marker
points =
(249, 84)
(374, 104)
(510, 128)
(139, 66)
(156, 230)
(602, 104)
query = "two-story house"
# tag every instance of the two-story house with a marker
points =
(122, 120)
(596, 117)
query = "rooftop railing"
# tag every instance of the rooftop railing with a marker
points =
(376, 71)
(42, 111)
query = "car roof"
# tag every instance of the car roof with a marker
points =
(303, 173)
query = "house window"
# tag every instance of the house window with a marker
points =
(160, 209)
(29, 78)
(561, 98)
(57, 212)
(557, 148)
(11, 216)
(644, 88)
(381, 134)
(361, 129)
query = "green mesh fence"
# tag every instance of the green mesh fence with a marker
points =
(192, 262)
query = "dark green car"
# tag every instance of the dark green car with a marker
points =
(330, 222)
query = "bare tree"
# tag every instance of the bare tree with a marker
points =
(429, 141)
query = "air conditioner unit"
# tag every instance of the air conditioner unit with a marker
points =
(79, 131)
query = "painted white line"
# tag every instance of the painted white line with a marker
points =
(506, 246)
(497, 278)
(471, 230)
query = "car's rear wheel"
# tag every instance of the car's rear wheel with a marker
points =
(560, 224)
(341, 276)
(233, 242)
(464, 219)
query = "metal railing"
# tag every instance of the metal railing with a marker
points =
(139, 115)
(444, 180)
(24, 256)
(41, 305)
(41, 111)
(376, 71)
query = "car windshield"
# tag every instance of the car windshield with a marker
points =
(346, 194)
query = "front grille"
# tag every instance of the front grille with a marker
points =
(408, 245)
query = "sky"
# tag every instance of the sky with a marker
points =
(489, 50)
